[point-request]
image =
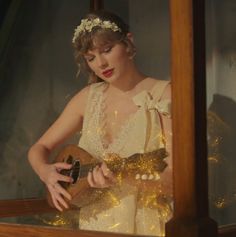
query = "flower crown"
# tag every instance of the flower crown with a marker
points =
(89, 24)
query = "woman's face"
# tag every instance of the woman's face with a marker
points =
(110, 62)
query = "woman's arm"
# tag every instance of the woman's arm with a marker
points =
(69, 122)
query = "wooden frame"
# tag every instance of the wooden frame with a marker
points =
(96, 4)
(191, 217)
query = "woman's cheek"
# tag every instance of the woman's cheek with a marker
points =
(92, 67)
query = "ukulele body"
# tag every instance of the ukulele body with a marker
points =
(82, 162)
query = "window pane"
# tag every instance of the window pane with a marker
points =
(40, 79)
(34, 88)
(221, 99)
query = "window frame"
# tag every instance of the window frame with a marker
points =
(188, 70)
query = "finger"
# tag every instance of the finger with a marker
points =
(58, 198)
(109, 176)
(100, 178)
(64, 178)
(90, 179)
(107, 172)
(61, 200)
(62, 191)
(62, 165)
(54, 200)
(56, 204)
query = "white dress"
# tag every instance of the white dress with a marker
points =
(124, 207)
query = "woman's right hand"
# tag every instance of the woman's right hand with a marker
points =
(101, 177)
(50, 175)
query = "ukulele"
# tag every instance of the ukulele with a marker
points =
(145, 166)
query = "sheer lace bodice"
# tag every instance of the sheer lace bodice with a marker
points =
(135, 129)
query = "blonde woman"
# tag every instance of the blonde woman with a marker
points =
(121, 111)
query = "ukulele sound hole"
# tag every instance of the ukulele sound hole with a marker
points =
(74, 172)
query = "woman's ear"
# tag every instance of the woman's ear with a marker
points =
(130, 37)
(131, 49)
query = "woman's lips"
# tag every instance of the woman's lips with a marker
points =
(108, 73)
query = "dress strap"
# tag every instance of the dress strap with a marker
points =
(95, 91)
(96, 87)
(162, 106)
(158, 89)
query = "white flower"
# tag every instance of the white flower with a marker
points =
(89, 24)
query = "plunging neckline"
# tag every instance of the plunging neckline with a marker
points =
(132, 132)
(124, 128)
(119, 136)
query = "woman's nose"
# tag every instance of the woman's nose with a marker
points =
(101, 62)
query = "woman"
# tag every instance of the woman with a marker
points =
(122, 111)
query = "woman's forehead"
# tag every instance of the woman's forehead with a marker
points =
(101, 42)
(99, 45)
(95, 49)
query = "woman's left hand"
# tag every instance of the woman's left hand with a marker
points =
(101, 177)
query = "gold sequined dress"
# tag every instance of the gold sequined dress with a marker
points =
(124, 207)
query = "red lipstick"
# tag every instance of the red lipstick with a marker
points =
(108, 73)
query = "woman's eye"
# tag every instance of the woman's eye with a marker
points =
(107, 49)
(89, 59)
